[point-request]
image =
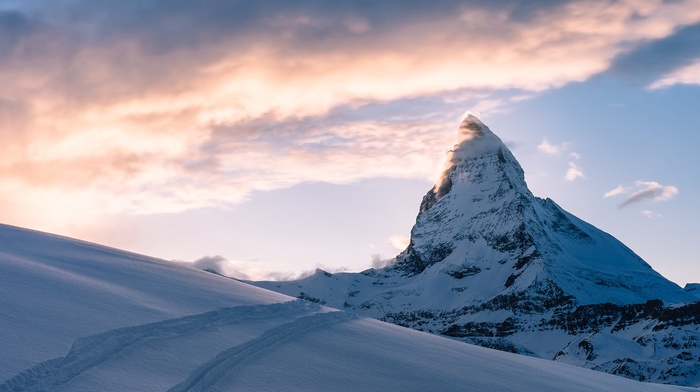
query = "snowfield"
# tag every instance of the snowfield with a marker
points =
(81, 317)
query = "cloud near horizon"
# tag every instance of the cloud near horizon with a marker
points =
(261, 270)
(241, 269)
(170, 105)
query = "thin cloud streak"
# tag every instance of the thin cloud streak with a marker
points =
(615, 191)
(689, 74)
(650, 214)
(649, 191)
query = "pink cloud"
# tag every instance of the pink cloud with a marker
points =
(121, 118)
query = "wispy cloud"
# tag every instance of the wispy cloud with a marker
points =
(574, 172)
(614, 192)
(241, 269)
(650, 214)
(642, 63)
(378, 261)
(553, 149)
(400, 242)
(643, 191)
(689, 74)
(650, 190)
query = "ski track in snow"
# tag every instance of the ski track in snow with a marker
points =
(211, 373)
(90, 351)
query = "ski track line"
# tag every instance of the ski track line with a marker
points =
(212, 372)
(90, 351)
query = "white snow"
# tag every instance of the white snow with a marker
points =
(81, 317)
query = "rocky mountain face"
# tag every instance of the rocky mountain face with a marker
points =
(491, 264)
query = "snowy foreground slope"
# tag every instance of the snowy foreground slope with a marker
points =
(80, 317)
(491, 264)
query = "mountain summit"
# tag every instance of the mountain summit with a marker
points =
(481, 222)
(491, 264)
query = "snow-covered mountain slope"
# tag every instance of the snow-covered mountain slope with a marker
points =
(492, 264)
(54, 290)
(80, 317)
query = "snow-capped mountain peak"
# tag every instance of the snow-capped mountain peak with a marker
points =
(474, 141)
(490, 263)
(481, 216)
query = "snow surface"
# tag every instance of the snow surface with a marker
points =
(82, 317)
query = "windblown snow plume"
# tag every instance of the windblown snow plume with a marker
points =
(469, 129)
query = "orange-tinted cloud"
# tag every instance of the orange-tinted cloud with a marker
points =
(165, 106)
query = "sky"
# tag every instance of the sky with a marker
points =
(270, 138)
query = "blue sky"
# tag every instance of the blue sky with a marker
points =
(271, 138)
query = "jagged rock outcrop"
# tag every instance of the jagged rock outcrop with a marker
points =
(491, 264)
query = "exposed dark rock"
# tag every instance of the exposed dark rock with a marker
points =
(462, 273)
(588, 348)
(483, 329)
(304, 296)
(679, 316)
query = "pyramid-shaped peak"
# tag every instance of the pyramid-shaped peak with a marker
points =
(471, 127)
(472, 123)
(479, 157)
(481, 205)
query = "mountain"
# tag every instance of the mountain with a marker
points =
(82, 317)
(491, 264)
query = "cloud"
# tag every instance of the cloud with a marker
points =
(112, 107)
(650, 214)
(644, 191)
(380, 262)
(399, 242)
(658, 60)
(553, 149)
(557, 149)
(241, 269)
(689, 74)
(214, 263)
(614, 192)
(574, 172)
